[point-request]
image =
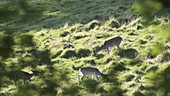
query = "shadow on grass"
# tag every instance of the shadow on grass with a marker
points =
(72, 90)
(19, 52)
(92, 86)
(128, 53)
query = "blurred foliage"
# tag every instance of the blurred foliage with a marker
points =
(157, 49)
(24, 10)
(151, 8)
(164, 33)
(148, 8)
(158, 81)
(165, 3)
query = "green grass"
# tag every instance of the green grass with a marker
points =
(140, 69)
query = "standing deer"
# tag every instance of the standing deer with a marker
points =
(84, 71)
(108, 44)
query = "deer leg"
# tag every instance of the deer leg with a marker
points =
(97, 78)
(92, 77)
(79, 78)
(118, 47)
(82, 77)
(108, 51)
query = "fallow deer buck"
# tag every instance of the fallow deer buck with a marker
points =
(85, 71)
(108, 44)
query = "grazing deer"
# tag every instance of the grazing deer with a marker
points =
(108, 44)
(20, 75)
(84, 71)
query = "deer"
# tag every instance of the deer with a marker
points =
(17, 75)
(85, 71)
(108, 44)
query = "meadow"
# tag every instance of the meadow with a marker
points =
(36, 47)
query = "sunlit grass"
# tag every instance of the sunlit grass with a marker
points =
(143, 60)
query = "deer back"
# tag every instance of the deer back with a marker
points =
(90, 70)
(112, 42)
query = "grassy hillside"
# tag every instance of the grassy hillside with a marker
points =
(141, 68)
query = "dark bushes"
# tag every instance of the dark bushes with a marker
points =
(68, 53)
(80, 52)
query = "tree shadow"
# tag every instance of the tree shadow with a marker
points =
(19, 52)
(128, 53)
(111, 79)
(72, 90)
(6, 45)
(92, 86)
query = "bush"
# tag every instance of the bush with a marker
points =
(128, 53)
(138, 93)
(80, 35)
(152, 68)
(58, 53)
(64, 34)
(113, 23)
(119, 67)
(68, 53)
(92, 25)
(165, 57)
(142, 42)
(82, 52)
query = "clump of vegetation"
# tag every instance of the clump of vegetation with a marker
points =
(68, 53)
(57, 53)
(130, 78)
(83, 52)
(112, 23)
(92, 25)
(64, 33)
(80, 35)
(138, 93)
(152, 69)
(165, 57)
(119, 67)
(142, 42)
(128, 53)
(76, 28)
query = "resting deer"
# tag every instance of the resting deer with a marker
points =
(108, 44)
(84, 71)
